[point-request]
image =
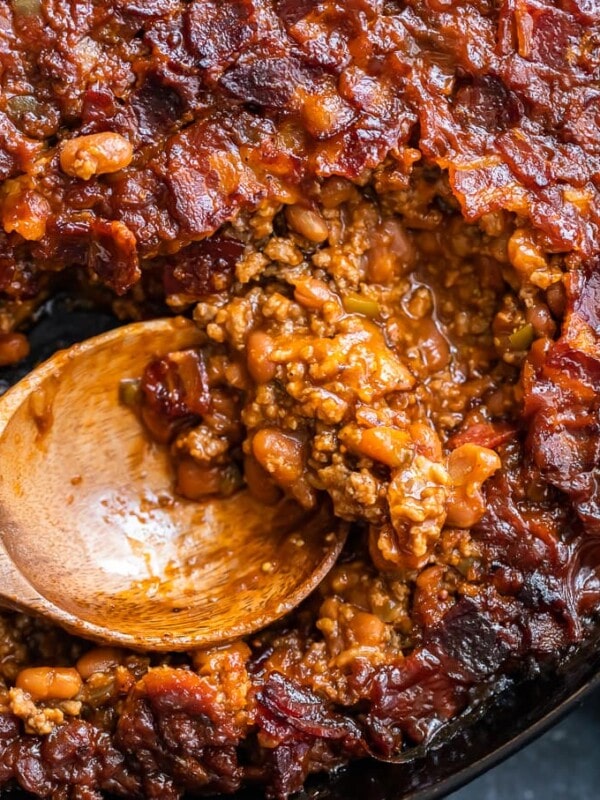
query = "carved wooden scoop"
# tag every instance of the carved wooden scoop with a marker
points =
(92, 537)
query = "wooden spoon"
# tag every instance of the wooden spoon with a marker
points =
(92, 537)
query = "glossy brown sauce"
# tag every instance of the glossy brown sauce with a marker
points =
(384, 215)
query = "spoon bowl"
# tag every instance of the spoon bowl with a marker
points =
(92, 536)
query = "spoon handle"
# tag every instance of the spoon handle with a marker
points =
(18, 594)
(15, 592)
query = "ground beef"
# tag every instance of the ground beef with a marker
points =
(384, 216)
(226, 105)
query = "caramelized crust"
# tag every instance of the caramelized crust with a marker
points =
(385, 217)
(227, 105)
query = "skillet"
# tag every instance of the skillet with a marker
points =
(520, 708)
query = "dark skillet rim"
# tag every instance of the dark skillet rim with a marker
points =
(515, 744)
(520, 711)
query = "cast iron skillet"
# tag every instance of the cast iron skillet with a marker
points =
(518, 710)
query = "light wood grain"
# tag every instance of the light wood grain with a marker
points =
(92, 536)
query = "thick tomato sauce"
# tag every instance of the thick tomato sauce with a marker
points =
(384, 215)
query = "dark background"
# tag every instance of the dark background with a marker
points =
(564, 764)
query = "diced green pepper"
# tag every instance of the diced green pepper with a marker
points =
(522, 338)
(130, 393)
(465, 565)
(230, 480)
(359, 304)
